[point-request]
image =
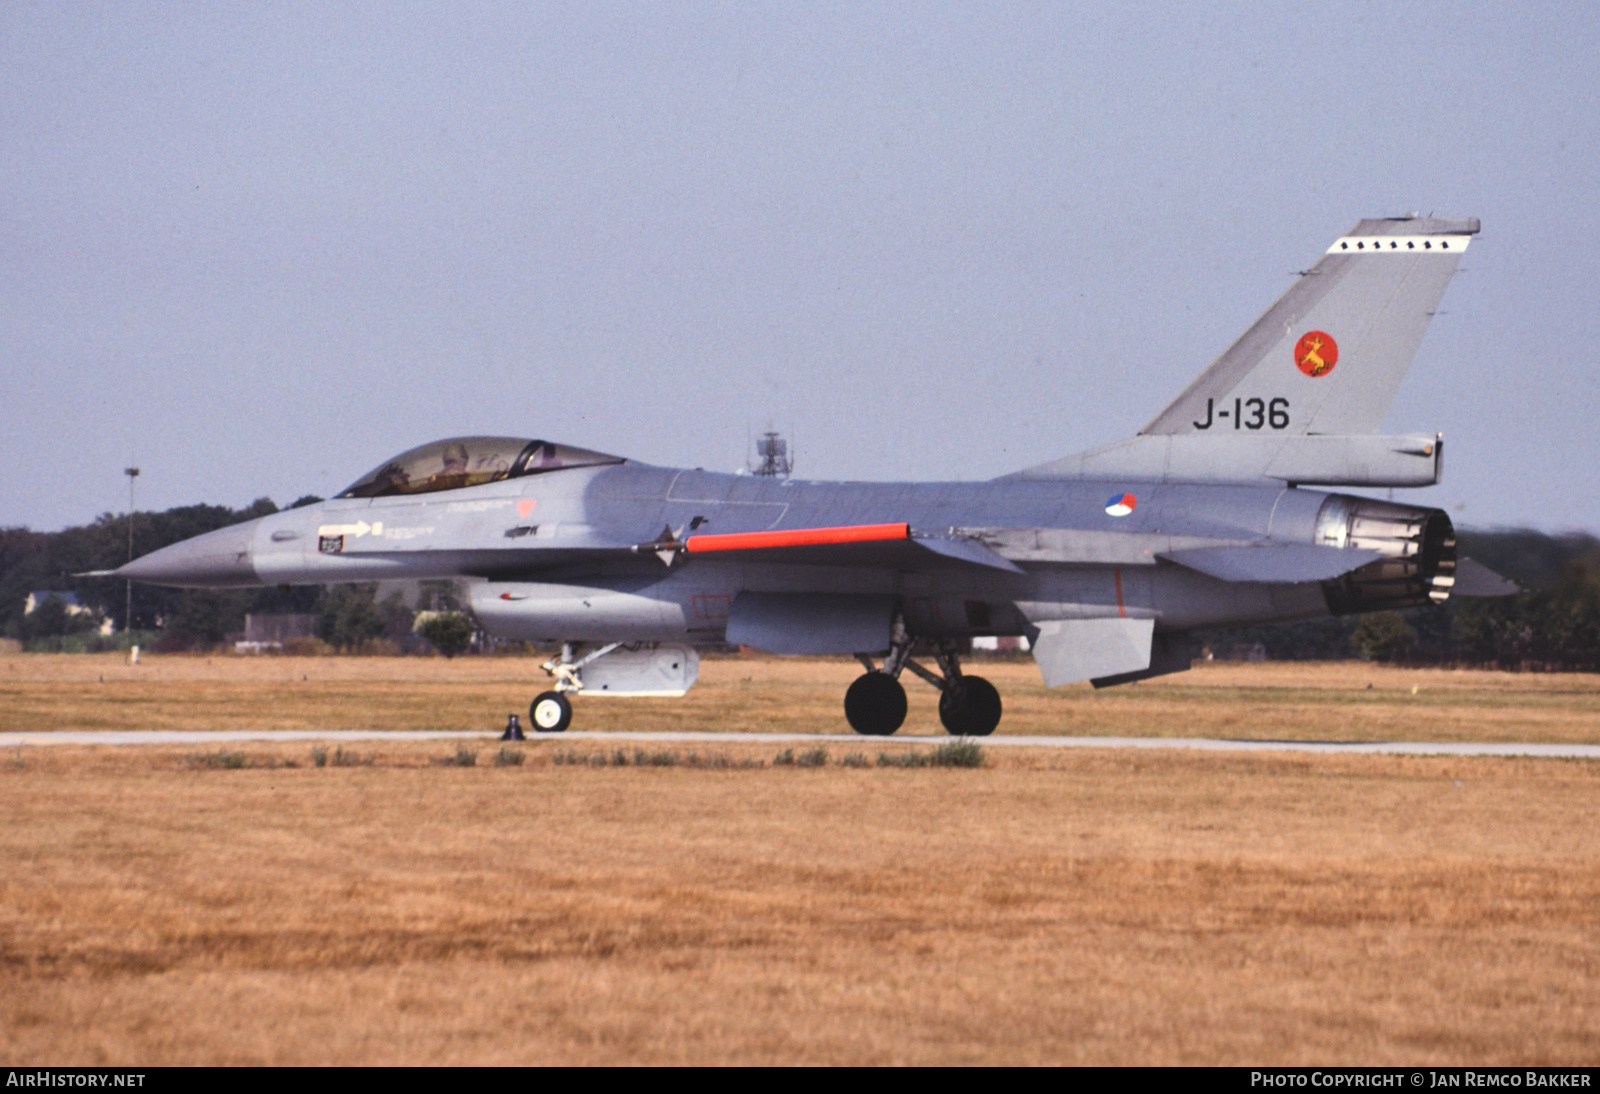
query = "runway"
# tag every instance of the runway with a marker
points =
(1204, 744)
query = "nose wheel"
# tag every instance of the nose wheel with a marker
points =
(551, 712)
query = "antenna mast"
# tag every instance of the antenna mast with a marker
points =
(772, 456)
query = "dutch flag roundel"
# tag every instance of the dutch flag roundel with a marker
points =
(1120, 505)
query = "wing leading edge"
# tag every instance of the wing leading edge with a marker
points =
(894, 544)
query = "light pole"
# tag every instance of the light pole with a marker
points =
(127, 620)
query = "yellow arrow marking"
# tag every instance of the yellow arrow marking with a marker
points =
(358, 529)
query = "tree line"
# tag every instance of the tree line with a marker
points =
(1553, 625)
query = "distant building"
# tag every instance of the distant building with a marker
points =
(264, 631)
(36, 601)
(69, 600)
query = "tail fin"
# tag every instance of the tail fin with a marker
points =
(1329, 356)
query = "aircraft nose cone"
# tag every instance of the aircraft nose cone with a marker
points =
(215, 559)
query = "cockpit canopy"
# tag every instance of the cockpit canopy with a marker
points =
(469, 461)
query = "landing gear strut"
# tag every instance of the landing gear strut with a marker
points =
(970, 708)
(551, 711)
(875, 705)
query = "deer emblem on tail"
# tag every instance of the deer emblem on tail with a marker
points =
(1309, 355)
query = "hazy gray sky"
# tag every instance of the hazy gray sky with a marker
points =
(257, 248)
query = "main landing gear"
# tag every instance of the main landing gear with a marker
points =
(875, 705)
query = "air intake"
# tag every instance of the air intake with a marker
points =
(1418, 547)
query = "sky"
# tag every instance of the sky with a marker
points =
(256, 248)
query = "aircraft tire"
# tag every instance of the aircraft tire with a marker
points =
(972, 709)
(875, 705)
(550, 712)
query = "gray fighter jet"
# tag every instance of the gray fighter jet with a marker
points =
(1104, 560)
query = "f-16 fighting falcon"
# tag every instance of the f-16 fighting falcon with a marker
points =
(1104, 560)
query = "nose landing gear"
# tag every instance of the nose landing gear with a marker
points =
(550, 712)
(875, 705)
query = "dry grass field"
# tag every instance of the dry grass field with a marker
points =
(1263, 701)
(1054, 906)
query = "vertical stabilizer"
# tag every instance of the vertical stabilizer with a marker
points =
(1329, 356)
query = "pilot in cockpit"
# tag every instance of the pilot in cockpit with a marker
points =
(392, 479)
(469, 461)
(453, 473)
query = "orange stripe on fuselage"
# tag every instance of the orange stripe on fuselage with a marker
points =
(798, 537)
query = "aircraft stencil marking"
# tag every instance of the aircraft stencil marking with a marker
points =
(358, 529)
(1238, 527)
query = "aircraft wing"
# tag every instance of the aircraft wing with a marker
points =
(893, 546)
(897, 545)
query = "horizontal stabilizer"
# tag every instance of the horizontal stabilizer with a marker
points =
(1286, 564)
(1070, 651)
(1473, 578)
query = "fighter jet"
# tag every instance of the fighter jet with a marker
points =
(1105, 560)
